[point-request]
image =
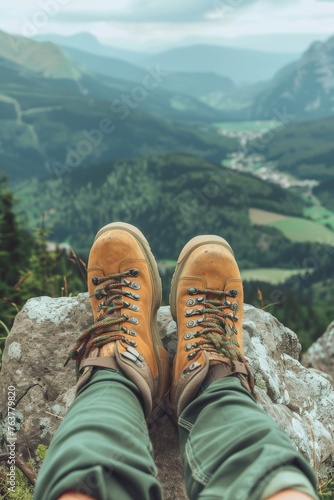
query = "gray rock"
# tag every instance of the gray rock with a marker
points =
(320, 355)
(300, 400)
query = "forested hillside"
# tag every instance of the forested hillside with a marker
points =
(171, 198)
(306, 151)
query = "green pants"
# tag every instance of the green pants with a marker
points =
(231, 449)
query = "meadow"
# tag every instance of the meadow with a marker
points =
(274, 276)
(296, 229)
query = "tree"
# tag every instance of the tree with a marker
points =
(15, 249)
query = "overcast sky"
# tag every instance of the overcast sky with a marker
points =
(145, 24)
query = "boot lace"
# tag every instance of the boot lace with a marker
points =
(218, 325)
(108, 326)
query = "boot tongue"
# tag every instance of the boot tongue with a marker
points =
(210, 295)
(107, 350)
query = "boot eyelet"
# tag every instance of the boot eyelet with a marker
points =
(192, 355)
(190, 302)
(234, 306)
(191, 323)
(132, 333)
(193, 312)
(192, 290)
(133, 296)
(96, 280)
(135, 286)
(134, 273)
(135, 353)
(189, 347)
(99, 295)
(135, 308)
(134, 321)
(130, 342)
(194, 366)
(188, 336)
(191, 368)
(233, 293)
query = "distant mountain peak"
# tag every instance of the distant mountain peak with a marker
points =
(87, 42)
(318, 47)
(39, 57)
(82, 37)
(306, 88)
(85, 34)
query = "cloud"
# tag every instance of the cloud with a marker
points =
(152, 24)
(138, 11)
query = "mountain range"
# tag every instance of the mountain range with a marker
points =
(195, 84)
(51, 97)
(119, 79)
(240, 65)
(295, 43)
(301, 84)
(86, 42)
(45, 121)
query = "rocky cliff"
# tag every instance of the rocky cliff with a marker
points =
(320, 355)
(304, 89)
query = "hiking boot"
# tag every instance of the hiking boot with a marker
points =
(207, 304)
(125, 294)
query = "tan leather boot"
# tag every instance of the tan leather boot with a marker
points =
(207, 304)
(125, 293)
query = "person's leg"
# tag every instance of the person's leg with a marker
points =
(230, 447)
(102, 449)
